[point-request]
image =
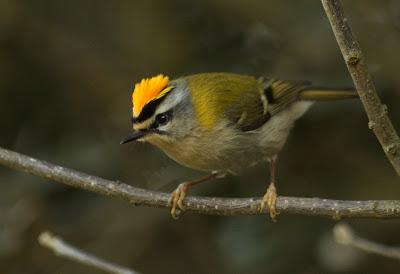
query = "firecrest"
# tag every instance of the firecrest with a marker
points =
(221, 122)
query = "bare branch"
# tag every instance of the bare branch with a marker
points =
(62, 249)
(336, 209)
(345, 235)
(377, 113)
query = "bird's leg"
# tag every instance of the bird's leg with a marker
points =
(179, 193)
(270, 196)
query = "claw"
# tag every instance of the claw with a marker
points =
(178, 195)
(176, 200)
(269, 200)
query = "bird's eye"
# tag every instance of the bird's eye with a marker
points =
(162, 118)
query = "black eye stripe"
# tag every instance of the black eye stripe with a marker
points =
(148, 110)
(157, 123)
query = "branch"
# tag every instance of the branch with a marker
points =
(61, 248)
(377, 113)
(336, 209)
(345, 235)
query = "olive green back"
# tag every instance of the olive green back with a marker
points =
(225, 96)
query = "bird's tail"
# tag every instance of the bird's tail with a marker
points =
(325, 94)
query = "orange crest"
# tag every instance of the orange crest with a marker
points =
(148, 90)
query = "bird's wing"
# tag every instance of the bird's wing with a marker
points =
(247, 103)
(280, 94)
(274, 97)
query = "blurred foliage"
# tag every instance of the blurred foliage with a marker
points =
(66, 73)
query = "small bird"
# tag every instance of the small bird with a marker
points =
(221, 123)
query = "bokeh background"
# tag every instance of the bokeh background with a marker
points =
(67, 69)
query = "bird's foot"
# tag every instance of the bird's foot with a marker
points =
(269, 200)
(176, 200)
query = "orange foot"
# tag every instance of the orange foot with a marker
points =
(176, 200)
(269, 200)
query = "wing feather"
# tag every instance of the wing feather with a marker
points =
(247, 103)
(280, 93)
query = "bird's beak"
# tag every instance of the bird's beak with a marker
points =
(133, 136)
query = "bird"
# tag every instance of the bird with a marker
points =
(221, 123)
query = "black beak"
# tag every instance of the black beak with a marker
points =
(133, 136)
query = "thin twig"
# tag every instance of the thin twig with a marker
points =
(377, 113)
(63, 249)
(345, 235)
(336, 209)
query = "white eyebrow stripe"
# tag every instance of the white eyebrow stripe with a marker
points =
(172, 100)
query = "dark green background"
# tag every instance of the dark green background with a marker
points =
(67, 69)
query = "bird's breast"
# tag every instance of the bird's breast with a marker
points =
(223, 149)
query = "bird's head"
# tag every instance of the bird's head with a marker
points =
(161, 110)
